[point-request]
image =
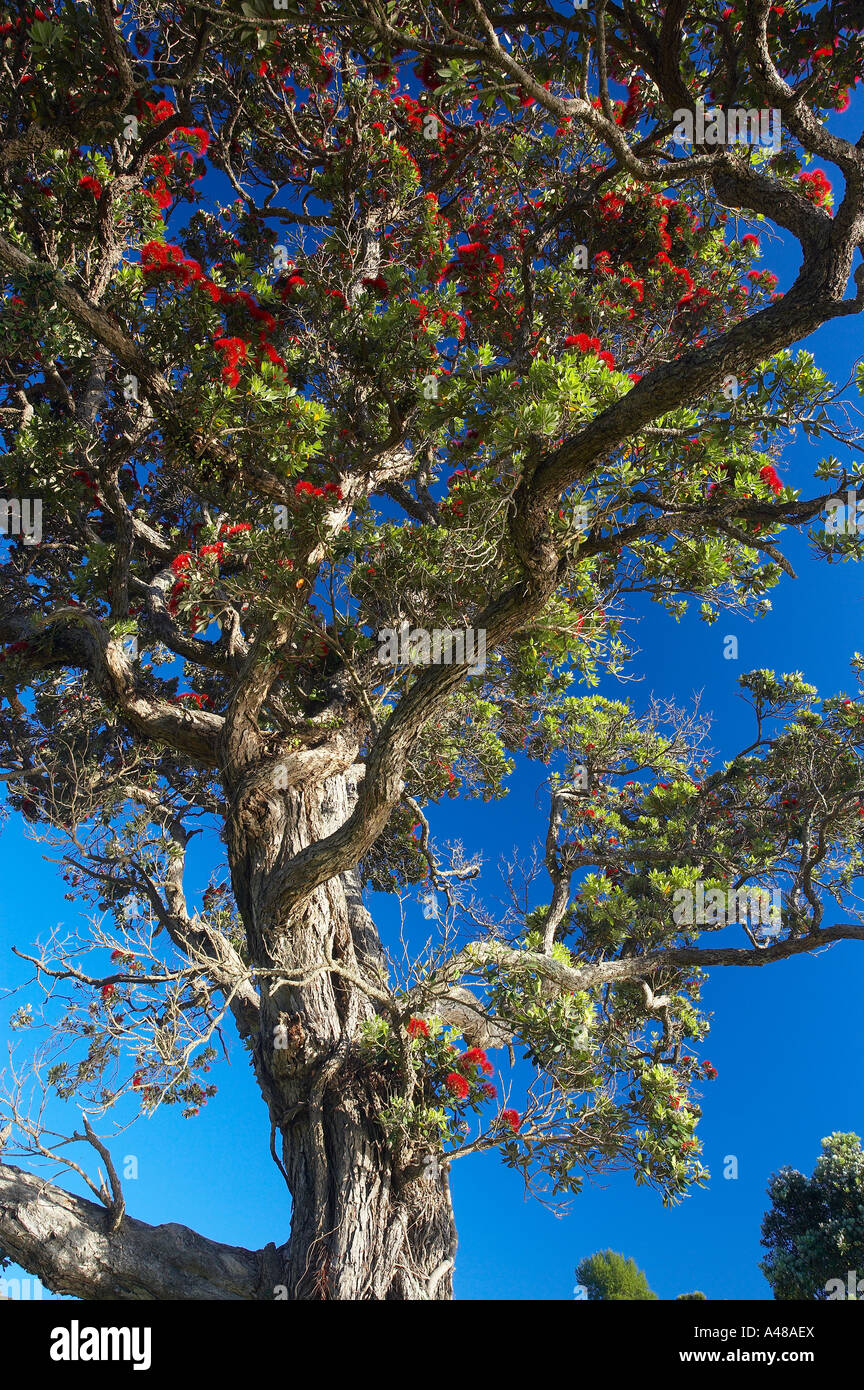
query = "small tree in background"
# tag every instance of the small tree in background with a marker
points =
(814, 1231)
(610, 1277)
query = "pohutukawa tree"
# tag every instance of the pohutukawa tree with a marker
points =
(328, 321)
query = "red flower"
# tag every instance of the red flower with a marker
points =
(195, 135)
(306, 489)
(270, 352)
(292, 283)
(769, 476)
(378, 284)
(234, 352)
(161, 109)
(511, 1118)
(417, 1027)
(474, 1057)
(815, 186)
(456, 1085)
(428, 74)
(174, 599)
(107, 992)
(92, 185)
(488, 1090)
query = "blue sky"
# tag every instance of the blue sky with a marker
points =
(785, 1039)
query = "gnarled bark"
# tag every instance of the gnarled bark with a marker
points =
(366, 1224)
(67, 1242)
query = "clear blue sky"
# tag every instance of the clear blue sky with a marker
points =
(786, 1039)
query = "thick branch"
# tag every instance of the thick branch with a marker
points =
(66, 1241)
(480, 953)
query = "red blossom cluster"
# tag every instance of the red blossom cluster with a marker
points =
(182, 562)
(378, 284)
(293, 282)
(474, 1060)
(815, 186)
(583, 343)
(306, 489)
(195, 135)
(179, 565)
(444, 316)
(456, 1085)
(480, 268)
(15, 649)
(21, 22)
(160, 258)
(234, 353)
(161, 110)
(91, 185)
(631, 110)
(475, 1057)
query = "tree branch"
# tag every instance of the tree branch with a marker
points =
(67, 1242)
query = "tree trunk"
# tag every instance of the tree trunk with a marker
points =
(367, 1222)
(359, 1230)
